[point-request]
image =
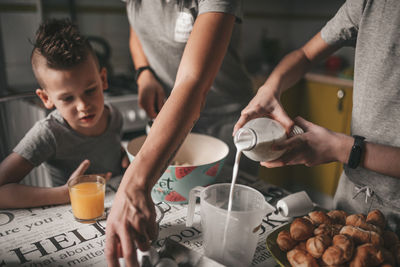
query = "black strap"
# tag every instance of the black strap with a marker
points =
(141, 69)
(356, 151)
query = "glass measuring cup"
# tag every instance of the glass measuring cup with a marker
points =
(230, 239)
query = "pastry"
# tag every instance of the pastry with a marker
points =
(346, 244)
(376, 218)
(317, 245)
(367, 255)
(285, 241)
(333, 255)
(319, 217)
(298, 257)
(338, 216)
(301, 229)
(358, 220)
(328, 229)
(361, 236)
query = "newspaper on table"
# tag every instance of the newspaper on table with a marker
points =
(49, 236)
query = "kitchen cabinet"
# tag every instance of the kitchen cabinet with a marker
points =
(326, 101)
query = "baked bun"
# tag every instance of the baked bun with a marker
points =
(376, 218)
(361, 236)
(367, 255)
(285, 241)
(317, 245)
(301, 229)
(358, 220)
(319, 217)
(328, 229)
(300, 258)
(338, 216)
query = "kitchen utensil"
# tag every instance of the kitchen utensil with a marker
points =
(229, 237)
(197, 163)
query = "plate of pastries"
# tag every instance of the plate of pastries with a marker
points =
(335, 238)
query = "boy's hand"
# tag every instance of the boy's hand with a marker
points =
(80, 170)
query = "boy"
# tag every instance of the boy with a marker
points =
(81, 131)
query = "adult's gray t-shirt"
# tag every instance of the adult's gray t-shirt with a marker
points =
(373, 28)
(52, 141)
(163, 28)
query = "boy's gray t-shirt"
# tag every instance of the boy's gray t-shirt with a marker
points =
(163, 29)
(373, 28)
(51, 141)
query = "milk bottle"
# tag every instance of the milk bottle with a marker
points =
(257, 136)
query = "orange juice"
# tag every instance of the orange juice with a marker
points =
(87, 200)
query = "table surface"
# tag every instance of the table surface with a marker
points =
(49, 236)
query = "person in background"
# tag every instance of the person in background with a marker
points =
(80, 135)
(186, 50)
(371, 156)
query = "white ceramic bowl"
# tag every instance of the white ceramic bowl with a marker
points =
(197, 163)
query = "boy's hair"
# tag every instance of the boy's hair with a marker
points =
(59, 45)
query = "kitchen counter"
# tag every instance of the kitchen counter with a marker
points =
(49, 236)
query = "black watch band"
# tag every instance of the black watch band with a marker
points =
(141, 69)
(356, 151)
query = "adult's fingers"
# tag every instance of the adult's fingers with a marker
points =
(288, 144)
(128, 246)
(244, 118)
(280, 115)
(139, 225)
(112, 245)
(304, 124)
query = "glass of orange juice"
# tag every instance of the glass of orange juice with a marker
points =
(87, 197)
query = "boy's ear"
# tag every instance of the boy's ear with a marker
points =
(42, 94)
(103, 76)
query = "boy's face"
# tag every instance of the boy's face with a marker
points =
(78, 95)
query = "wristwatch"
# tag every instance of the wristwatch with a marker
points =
(141, 69)
(356, 151)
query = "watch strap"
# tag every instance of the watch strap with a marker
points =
(356, 151)
(141, 69)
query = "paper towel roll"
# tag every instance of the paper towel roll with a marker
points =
(297, 204)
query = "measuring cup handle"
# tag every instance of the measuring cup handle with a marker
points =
(193, 195)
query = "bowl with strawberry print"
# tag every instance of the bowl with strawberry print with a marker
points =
(197, 163)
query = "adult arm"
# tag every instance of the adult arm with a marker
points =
(198, 68)
(150, 91)
(288, 72)
(319, 145)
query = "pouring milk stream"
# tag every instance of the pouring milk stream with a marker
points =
(255, 140)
